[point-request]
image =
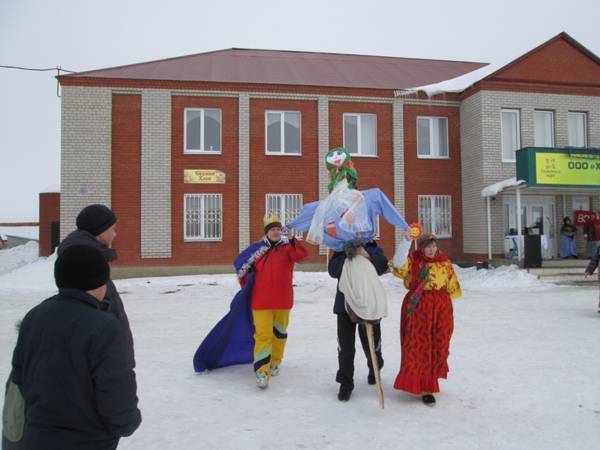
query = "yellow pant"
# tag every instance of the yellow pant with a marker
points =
(270, 335)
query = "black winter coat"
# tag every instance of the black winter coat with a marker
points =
(112, 297)
(336, 264)
(72, 366)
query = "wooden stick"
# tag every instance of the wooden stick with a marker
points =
(375, 363)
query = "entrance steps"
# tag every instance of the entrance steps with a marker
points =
(558, 271)
(565, 272)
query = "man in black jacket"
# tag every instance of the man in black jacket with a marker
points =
(96, 227)
(346, 328)
(71, 365)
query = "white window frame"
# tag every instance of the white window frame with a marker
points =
(282, 152)
(535, 130)
(431, 224)
(202, 151)
(514, 156)
(359, 150)
(281, 212)
(585, 127)
(202, 235)
(433, 153)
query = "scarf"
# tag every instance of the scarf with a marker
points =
(420, 272)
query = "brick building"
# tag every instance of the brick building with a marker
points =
(191, 152)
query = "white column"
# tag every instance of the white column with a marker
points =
(519, 225)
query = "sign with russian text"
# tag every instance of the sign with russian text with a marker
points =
(203, 176)
(567, 169)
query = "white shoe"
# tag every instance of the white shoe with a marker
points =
(274, 370)
(262, 381)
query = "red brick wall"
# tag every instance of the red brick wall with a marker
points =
(557, 62)
(49, 212)
(127, 176)
(218, 252)
(372, 172)
(434, 176)
(275, 174)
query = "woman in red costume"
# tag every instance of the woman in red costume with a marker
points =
(426, 320)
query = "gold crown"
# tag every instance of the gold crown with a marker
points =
(268, 219)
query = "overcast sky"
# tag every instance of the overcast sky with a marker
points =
(83, 35)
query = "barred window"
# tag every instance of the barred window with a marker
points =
(435, 214)
(286, 206)
(203, 217)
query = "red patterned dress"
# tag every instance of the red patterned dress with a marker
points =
(426, 321)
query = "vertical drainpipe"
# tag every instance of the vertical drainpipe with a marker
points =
(489, 227)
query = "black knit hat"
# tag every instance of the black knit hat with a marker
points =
(81, 267)
(95, 219)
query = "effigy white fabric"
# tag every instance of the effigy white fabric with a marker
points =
(345, 208)
(363, 289)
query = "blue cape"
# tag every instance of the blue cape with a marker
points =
(231, 341)
(377, 204)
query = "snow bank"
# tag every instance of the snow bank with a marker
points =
(503, 278)
(15, 257)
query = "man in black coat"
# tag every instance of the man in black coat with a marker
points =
(71, 365)
(96, 227)
(346, 328)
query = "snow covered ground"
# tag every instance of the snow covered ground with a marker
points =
(524, 368)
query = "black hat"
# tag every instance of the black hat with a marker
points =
(81, 267)
(95, 219)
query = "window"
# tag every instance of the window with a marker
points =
(432, 137)
(282, 133)
(286, 206)
(543, 128)
(435, 214)
(203, 217)
(360, 134)
(577, 129)
(581, 203)
(202, 130)
(511, 134)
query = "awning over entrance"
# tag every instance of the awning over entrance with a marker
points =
(494, 189)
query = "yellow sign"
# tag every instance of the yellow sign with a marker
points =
(201, 176)
(565, 169)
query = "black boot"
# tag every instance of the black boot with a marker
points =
(428, 399)
(345, 392)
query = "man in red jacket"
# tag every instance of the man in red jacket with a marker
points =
(273, 298)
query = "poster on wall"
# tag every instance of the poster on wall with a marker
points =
(582, 216)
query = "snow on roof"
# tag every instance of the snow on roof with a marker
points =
(458, 84)
(494, 189)
(22, 232)
(51, 188)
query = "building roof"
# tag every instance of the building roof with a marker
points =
(464, 81)
(238, 65)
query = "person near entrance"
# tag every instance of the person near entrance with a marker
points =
(567, 239)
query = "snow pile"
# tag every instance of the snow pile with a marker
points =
(504, 278)
(15, 257)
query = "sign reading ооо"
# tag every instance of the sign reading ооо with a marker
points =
(564, 169)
